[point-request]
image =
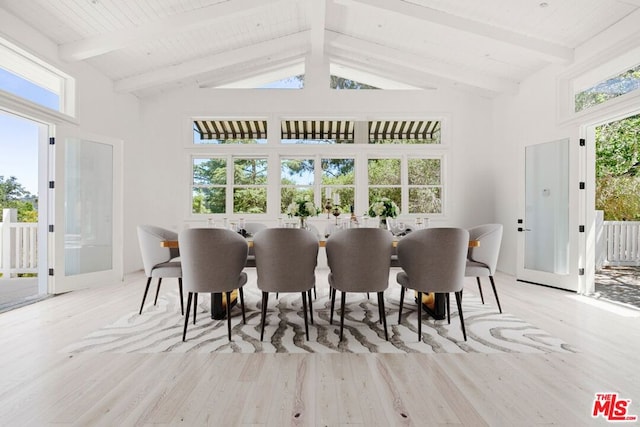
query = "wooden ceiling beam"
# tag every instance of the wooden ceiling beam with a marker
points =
(209, 63)
(163, 28)
(543, 49)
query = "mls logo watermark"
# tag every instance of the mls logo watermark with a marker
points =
(611, 408)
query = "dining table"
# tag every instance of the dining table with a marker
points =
(432, 303)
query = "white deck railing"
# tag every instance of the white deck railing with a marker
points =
(18, 245)
(620, 243)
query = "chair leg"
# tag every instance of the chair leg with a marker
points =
(195, 306)
(244, 319)
(186, 318)
(480, 289)
(401, 302)
(419, 316)
(310, 306)
(144, 297)
(446, 297)
(382, 314)
(315, 295)
(459, 302)
(181, 297)
(265, 300)
(343, 299)
(155, 301)
(332, 291)
(229, 314)
(495, 292)
(304, 308)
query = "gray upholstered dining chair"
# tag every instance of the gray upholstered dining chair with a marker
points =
(482, 259)
(252, 228)
(158, 261)
(212, 262)
(359, 260)
(286, 260)
(433, 260)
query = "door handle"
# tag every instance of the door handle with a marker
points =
(520, 229)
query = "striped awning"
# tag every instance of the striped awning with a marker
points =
(231, 129)
(317, 129)
(409, 129)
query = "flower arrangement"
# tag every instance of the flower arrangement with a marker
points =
(384, 208)
(303, 208)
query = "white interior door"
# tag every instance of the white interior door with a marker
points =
(87, 205)
(547, 250)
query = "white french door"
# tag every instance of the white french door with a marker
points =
(547, 244)
(86, 244)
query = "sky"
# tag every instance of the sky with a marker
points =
(19, 151)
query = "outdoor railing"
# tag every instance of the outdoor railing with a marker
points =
(620, 243)
(18, 246)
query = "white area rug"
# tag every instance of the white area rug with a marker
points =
(159, 329)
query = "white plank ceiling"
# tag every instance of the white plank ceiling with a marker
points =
(149, 46)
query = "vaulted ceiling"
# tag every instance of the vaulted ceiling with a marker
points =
(489, 46)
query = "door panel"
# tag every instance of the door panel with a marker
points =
(88, 210)
(545, 239)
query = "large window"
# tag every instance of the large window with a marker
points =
(342, 163)
(605, 90)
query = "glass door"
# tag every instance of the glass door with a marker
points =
(87, 211)
(545, 246)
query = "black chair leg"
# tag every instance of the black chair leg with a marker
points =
(195, 306)
(310, 306)
(186, 318)
(244, 319)
(315, 295)
(181, 297)
(263, 317)
(304, 308)
(229, 314)
(480, 289)
(401, 302)
(459, 302)
(419, 316)
(332, 291)
(343, 299)
(380, 312)
(495, 292)
(383, 314)
(155, 301)
(446, 297)
(144, 297)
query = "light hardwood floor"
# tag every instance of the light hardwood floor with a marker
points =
(40, 385)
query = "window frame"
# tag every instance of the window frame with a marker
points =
(361, 152)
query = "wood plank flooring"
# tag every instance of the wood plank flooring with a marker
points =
(40, 385)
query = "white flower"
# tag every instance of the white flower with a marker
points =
(293, 208)
(310, 208)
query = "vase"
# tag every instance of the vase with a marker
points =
(383, 222)
(303, 222)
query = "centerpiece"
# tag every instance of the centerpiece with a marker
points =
(302, 208)
(383, 208)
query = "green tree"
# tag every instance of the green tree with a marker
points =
(14, 196)
(617, 163)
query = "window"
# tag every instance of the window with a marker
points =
(24, 75)
(343, 163)
(211, 186)
(424, 185)
(296, 180)
(423, 178)
(608, 89)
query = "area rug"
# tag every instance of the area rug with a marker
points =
(159, 329)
